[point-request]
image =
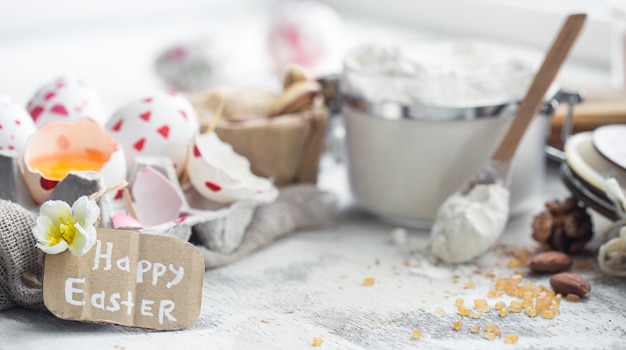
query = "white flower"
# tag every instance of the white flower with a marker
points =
(60, 227)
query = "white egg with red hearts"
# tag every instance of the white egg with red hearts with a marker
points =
(66, 99)
(161, 124)
(16, 126)
(306, 33)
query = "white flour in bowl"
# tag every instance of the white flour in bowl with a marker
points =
(449, 73)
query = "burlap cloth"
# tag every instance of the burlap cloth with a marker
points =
(297, 207)
(20, 264)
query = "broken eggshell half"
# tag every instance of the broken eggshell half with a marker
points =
(61, 147)
(159, 204)
(156, 200)
(219, 174)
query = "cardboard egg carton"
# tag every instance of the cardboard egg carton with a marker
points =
(282, 135)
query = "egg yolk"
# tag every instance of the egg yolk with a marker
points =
(56, 167)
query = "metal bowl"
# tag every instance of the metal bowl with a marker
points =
(406, 153)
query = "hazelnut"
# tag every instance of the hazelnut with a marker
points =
(565, 226)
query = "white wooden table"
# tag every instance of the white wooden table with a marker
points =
(309, 284)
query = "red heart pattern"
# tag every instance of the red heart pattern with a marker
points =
(47, 184)
(139, 144)
(49, 95)
(36, 112)
(145, 116)
(213, 186)
(118, 125)
(164, 131)
(59, 109)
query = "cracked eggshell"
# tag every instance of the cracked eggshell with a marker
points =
(61, 147)
(220, 174)
(65, 99)
(161, 124)
(16, 126)
(156, 200)
(125, 221)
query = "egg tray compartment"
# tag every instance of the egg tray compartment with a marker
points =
(216, 226)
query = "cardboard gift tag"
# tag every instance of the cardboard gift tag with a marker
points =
(129, 279)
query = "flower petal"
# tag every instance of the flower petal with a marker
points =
(55, 249)
(84, 239)
(86, 211)
(55, 210)
(42, 229)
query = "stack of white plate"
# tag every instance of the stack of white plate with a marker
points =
(592, 158)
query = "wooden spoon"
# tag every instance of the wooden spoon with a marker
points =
(498, 168)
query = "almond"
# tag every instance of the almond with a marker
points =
(550, 262)
(294, 74)
(296, 97)
(570, 283)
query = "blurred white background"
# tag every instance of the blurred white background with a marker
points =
(114, 44)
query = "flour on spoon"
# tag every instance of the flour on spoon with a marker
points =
(467, 225)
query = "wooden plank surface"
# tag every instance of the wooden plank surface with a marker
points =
(600, 107)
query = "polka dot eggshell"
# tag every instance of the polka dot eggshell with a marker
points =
(66, 99)
(162, 124)
(16, 126)
(221, 175)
